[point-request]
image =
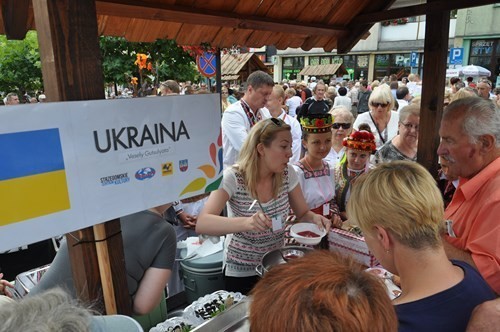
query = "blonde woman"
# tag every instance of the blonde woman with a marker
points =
(402, 226)
(381, 119)
(259, 190)
(224, 94)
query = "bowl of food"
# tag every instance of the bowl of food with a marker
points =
(307, 233)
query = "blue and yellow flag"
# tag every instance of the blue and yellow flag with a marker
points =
(32, 175)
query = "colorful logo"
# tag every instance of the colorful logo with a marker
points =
(115, 179)
(145, 173)
(183, 165)
(32, 175)
(212, 172)
(167, 169)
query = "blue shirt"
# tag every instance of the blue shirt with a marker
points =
(448, 310)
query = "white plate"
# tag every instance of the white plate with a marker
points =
(170, 324)
(305, 226)
(199, 305)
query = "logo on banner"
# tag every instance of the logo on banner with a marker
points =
(145, 173)
(115, 179)
(32, 175)
(167, 169)
(183, 165)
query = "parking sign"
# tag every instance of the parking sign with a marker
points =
(456, 56)
(414, 59)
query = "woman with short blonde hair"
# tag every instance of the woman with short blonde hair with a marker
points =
(400, 211)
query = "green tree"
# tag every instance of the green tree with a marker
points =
(168, 59)
(20, 65)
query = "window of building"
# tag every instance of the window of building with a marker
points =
(388, 64)
(485, 53)
(292, 67)
(325, 60)
(313, 60)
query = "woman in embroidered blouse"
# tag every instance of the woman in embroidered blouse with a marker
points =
(263, 176)
(382, 120)
(315, 174)
(341, 128)
(356, 161)
(404, 145)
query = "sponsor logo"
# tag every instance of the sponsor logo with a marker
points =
(145, 173)
(167, 169)
(115, 179)
(183, 165)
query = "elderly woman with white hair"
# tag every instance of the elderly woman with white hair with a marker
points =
(381, 119)
(404, 145)
(341, 128)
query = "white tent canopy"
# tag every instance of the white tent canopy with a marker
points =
(472, 70)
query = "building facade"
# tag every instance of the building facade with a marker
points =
(396, 47)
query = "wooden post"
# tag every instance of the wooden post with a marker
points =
(433, 84)
(72, 70)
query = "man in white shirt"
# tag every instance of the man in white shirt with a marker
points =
(403, 97)
(240, 117)
(273, 109)
(292, 102)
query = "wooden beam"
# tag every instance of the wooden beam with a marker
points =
(423, 9)
(15, 18)
(112, 267)
(85, 267)
(72, 70)
(183, 14)
(357, 30)
(433, 84)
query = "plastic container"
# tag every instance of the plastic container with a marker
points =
(201, 276)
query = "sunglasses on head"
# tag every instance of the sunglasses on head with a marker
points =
(379, 104)
(277, 122)
(343, 125)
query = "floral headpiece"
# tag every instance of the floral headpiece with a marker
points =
(317, 123)
(360, 140)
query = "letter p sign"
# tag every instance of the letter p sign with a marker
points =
(456, 56)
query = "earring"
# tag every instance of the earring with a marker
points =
(387, 251)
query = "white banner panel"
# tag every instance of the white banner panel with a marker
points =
(66, 166)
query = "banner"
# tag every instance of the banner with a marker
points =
(66, 166)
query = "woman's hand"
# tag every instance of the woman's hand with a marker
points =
(258, 222)
(3, 287)
(337, 221)
(322, 222)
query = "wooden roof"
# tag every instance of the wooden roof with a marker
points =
(232, 64)
(330, 24)
(323, 70)
(220, 23)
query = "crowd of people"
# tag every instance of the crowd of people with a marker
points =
(338, 155)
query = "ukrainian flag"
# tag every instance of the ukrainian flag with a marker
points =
(32, 175)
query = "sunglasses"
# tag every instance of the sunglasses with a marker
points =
(276, 121)
(379, 104)
(343, 125)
